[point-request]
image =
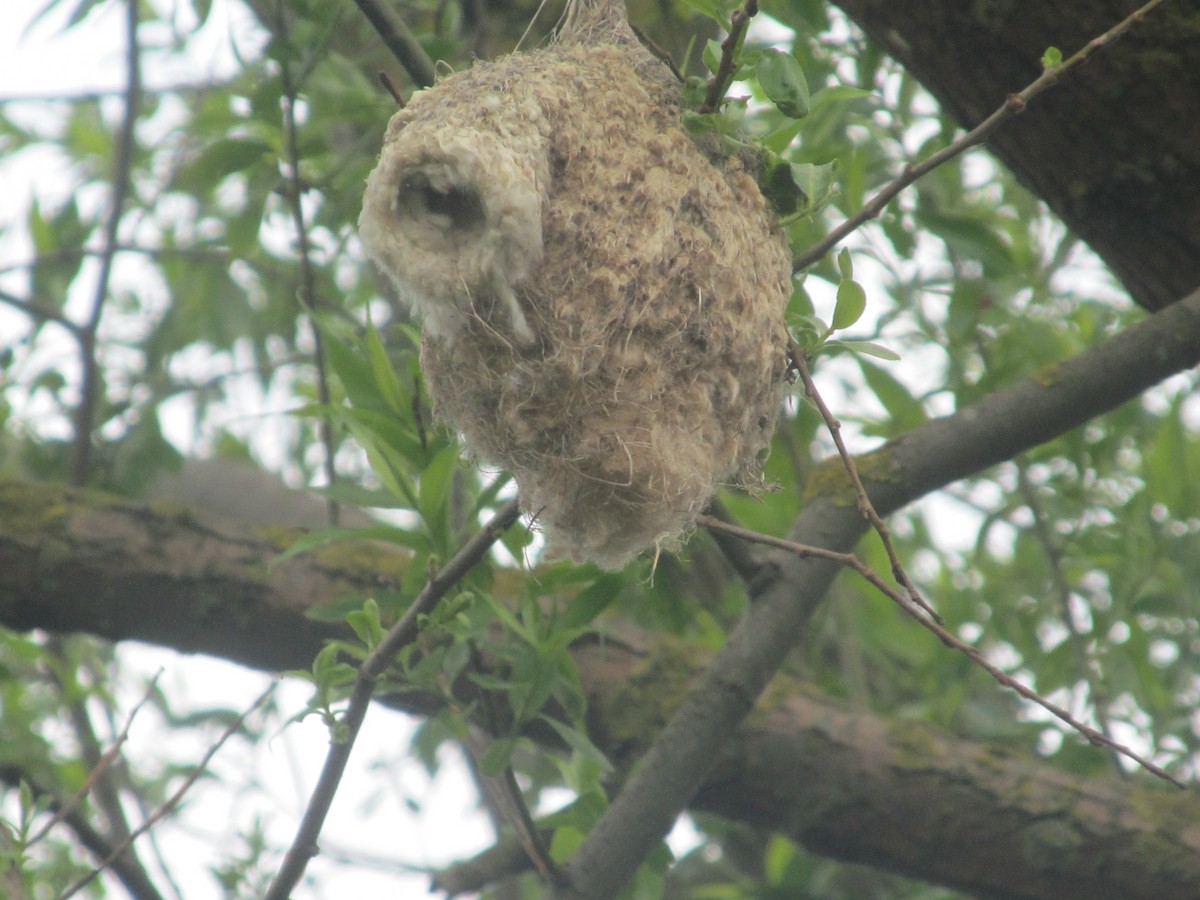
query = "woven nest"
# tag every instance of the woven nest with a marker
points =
(602, 299)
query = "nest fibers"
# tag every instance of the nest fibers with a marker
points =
(603, 301)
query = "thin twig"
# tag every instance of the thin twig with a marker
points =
(504, 859)
(1013, 104)
(935, 623)
(216, 255)
(132, 877)
(865, 506)
(502, 794)
(723, 77)
(848, 559)
(90, 387)
(392, 88)
(1093, 736)
(660, 53)
(106, 759)
(103, 765)
(304, 845)
(38, 311)
(173, 801)
(307, 291)
(399, 39)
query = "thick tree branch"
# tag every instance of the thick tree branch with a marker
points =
(901, 796)
(1013, 105)
(395, 34)
(1104, 150)
(931, 456)
(71, 561)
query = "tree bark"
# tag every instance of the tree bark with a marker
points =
(846, 784)
(1114, 149)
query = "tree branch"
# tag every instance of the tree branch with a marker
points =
(304, 845)
(73, 560)
(930, 456)
(396, 35)
(1013, 105)
(90, 388)
(133, 877)
(307, 291)
(171, 802)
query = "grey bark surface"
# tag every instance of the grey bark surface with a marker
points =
(1114, 150)
(77, 561)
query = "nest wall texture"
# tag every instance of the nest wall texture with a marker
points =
(603, 302)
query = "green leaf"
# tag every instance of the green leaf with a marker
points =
(710, 9)
(711, 57)
(695, 89)
(433, 490)
(366, 623)
(565, 842)
(798, 189)
(782, 80)
(837, 93)
(851, 302)
(845, 264)
(389, 386)
(219, 160)
(202, 8)
(579, 742)
(905, 410)
(591, 602)
(1052, 58)
(497, 757)
(867, 348)
(58, 241)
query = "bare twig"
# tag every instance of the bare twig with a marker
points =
(304, 845)
(935, 623)
(502, 794)
(216, 255)
(723, 77)
(392, 88)
(659, 53)
(36, 310)
(399, 39)
(307, 291)
(505, 859)
(865, 506)
(1093, 736)
(1013, 104)
(173, 801)
(104, 766)
(132, 877)
(90, 387)
(850, 560)
(97, 770)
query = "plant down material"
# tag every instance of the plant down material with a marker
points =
(602, 299)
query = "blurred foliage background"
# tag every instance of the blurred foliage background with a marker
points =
(182, 275)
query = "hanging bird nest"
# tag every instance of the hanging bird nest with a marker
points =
(602, 298)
